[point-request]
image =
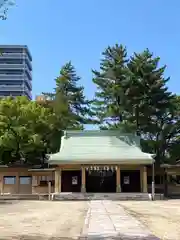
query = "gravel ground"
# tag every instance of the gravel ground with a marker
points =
(161, 217)
(32, 220)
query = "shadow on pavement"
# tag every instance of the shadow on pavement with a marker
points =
(95, 237)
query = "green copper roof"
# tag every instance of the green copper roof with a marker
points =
(99, 147)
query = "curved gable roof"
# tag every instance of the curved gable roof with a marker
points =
(100, 147)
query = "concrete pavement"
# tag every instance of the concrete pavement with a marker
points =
(106, 220)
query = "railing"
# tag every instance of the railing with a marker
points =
(11, 77)
(29, 83)
(18, 88)
(21, 89)
(11, 66)
(28, 94)
(6, 66)
(14, 55)
(29, 72)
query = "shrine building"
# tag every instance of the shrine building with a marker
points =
(100, 161)
(91, 161)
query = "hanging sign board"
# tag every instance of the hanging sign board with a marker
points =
(126, 180)
(74, 180)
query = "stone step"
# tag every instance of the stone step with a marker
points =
(102, 196)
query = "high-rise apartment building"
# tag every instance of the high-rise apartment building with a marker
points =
(15, 71)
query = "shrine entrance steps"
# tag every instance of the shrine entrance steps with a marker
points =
(101, 196)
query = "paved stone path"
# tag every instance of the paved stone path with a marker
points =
(107, 220)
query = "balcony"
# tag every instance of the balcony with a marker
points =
(10, 88)
(16, 61)
(15, 94)
(29, 84)
(23, 67)
(27, 94)
(21, 89)
(14, 66)
(14, 56)
(28, 72)
(11, 55)
(28, 63)
(11, 82)
(11, 66)
(11, 77)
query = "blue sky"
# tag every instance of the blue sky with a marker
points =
(57, 31)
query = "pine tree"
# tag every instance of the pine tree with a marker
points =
(133, 96)
(109, 96)
(147, 96)
(149, 102)
(68, 100)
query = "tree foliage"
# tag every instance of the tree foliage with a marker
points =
(4, 6)
(26, 131)
(68, 100)
(30, 130)
(110, 80)
(132, 95)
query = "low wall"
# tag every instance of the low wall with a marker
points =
(10, 188)
(41, 190)
(173, 189)
(159, 188)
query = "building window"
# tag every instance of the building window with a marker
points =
(9, 179)
(25, 180)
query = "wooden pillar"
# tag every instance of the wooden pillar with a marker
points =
(17, 181)
(144, 175)
(49, 191)
(57, 187)
(60, 183)
(1, 183)
(118, 179)
(141, 177)
(83, 179)
(165, 183)
(34, 183)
